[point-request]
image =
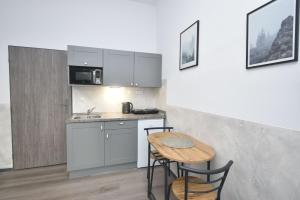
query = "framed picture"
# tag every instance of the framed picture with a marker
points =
(189, 44)
(272, 34)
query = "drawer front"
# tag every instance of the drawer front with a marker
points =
(120, 124)
(86, 125)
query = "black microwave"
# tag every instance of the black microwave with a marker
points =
(85, 75)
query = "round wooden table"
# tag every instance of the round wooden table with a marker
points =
(199, 153)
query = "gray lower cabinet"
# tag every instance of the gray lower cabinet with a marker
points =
(147, 69)
(90, 145)
(120, 146)
(85, 146)
(118, 68)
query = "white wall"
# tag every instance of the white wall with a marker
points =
(53, 24)
(263, 155)
(221, 84)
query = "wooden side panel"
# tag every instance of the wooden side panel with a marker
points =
(37, 81)
(60, 96)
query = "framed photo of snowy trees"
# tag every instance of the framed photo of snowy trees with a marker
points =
(189, 44)
(272, 33)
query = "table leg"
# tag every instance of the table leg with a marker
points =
(148, 170)
(182, 170)
(208, 168)
(166, 179)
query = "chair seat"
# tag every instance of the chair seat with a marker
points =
(156, 155)
(178, 189)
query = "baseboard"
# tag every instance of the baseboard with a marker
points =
(101, 170)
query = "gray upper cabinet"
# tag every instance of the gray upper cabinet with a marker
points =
(124, 68)
(147, 70)
(85, 56)
(85, 146)
(118, 68)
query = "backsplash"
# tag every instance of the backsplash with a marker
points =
(109, 99)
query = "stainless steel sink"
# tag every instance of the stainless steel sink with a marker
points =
(94, 116)
(83, 117)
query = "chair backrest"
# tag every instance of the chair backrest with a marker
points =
(169, 128)
(222, 172)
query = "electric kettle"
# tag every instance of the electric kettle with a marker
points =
(127, 107)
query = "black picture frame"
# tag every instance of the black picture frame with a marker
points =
(197, 46)
(295, 41)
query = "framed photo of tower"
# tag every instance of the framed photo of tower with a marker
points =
(272, 33)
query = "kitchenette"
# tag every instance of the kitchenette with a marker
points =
(113, 99)
(149, 99)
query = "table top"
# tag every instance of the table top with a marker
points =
(200, 152)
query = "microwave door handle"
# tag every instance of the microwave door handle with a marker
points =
(94, 76)
(100, 73)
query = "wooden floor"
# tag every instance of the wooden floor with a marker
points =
(53, 183)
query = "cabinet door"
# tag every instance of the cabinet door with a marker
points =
(118, 68)
(120, 146)
(85, 56)
(147, 70)
(85, 146)
(142, 139)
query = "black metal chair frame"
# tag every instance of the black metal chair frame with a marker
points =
(221, 179)
(157, 158)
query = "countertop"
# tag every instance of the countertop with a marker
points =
(115, 116)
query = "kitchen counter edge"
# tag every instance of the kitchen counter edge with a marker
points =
(119, 117)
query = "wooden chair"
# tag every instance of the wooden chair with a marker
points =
(194, 188)
(157, 157)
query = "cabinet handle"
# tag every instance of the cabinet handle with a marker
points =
(101, 127)
(85, 63)
(121, 123)
(131, 84)
(136, 84)
(107, 136)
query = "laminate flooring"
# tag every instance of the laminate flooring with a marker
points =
(52, 183)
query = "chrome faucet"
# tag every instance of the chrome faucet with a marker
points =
(90, 110)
